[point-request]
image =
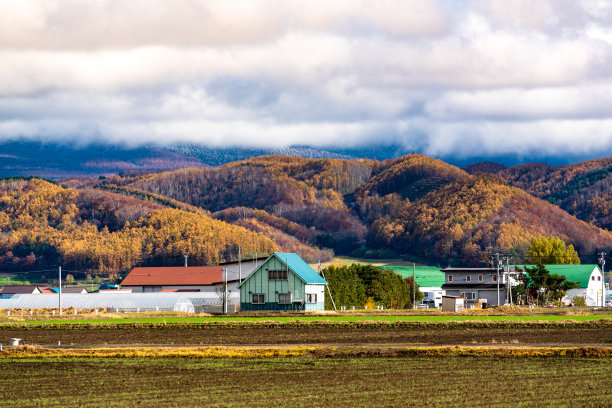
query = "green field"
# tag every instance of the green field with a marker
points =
(323, 318)
(299, 382)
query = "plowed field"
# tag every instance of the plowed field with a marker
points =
(313, 334)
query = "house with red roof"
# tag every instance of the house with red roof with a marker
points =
(177, 279)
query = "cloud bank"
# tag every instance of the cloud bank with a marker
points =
(446, 78)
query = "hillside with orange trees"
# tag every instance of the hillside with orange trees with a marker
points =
(304, 191)
(461, 222)
(400, 181)
(44, 224)
(582, 189)
(415, 207)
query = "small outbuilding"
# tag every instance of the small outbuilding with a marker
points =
(284, 281)
(452, 303)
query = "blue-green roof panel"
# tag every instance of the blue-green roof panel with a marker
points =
(301, 268)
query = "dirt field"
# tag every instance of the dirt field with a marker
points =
(315, 334)
(293, 382)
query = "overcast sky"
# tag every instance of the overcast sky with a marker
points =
(446, 78)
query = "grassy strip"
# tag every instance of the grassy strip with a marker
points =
(295, 324)
(321, 352)
(325, 318)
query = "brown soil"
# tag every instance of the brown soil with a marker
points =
(291, 335)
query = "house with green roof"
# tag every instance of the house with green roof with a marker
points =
(283, 282)
(588, 275)
(429, 278)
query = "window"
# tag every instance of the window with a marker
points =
(469, 295)
(258, 299)
(284, 298)
(599, 278)
(450, 278)
(277, 275)
(468, 278)
(311, 298)
(494, 278)
(479, 278)
(592, 278)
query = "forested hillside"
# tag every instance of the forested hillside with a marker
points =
(308, 192)
(458, 223)
(414, 206)
(44, 224)
(581, 189)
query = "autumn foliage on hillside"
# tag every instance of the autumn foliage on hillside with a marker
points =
(43, 224)
(263, 184)
(582, 189)
(461, 221)
(401, 181)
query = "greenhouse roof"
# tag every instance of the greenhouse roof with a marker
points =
(574, 273)
(425, 276)
(122, 302)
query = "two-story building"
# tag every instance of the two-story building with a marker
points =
(283, 282)
(482, 285)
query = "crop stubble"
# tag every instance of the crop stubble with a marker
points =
(340, 382)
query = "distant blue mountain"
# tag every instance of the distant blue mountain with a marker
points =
(54, 160)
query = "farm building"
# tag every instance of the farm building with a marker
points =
(180, 278)
(283, 282)
(429, 278)
(73, 289)
(588, 275)
(475, 285)
(239, 270)
(9, 291)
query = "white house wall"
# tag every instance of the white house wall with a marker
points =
(318, 290)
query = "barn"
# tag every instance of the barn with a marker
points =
(283, 282)
(177, 279)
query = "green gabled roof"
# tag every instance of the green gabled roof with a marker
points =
(574, 273)
(300, 267)
(424, 275)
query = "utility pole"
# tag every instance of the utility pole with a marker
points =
(224, 290)
(327, 286)
(602, 261)
(497, 254)
(60, 290)
(414, 286)
(509, 294)
(239, 265)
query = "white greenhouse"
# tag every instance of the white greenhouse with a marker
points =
(128, 302)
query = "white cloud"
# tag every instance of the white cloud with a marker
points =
(446, 77)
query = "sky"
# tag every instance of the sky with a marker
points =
(473, 78)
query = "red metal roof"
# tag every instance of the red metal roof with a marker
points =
(174, 276)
